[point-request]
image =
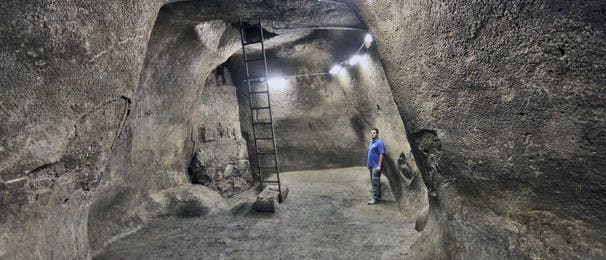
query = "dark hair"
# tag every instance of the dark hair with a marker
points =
(375, 129)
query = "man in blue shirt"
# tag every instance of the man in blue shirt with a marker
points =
(376, 151)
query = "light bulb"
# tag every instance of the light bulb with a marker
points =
(368, 38)
(335, 69)
(277, 82)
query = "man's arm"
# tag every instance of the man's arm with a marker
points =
(380, 162)
(381, 154)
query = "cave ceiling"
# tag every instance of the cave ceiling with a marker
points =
(289, 20)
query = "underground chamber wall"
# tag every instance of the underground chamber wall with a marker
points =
(169, 124)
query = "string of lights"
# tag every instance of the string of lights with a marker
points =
(335, 69)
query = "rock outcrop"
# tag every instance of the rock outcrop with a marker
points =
(221, 159)
(187, 201)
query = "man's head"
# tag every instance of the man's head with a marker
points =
(374, 133)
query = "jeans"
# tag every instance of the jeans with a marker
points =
(375, 181)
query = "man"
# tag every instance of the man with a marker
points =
(376, 151)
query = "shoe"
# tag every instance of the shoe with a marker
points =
(373, 202)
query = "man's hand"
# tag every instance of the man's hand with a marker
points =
(379, 168)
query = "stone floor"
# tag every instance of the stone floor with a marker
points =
(324, 217)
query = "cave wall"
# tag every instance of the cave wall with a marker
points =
(83, 140)
(162, 133)
(67, 70)
(504, 102)
(310, 112)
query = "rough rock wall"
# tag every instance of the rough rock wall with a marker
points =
(159, 138)
(505, 102)
(323, 121)
(221, 157)
(78, 127)
(67, 73)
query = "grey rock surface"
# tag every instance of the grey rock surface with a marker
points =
(267, 201)
(505, 102)
(159, 139)
(283, 189)
(186, 202)
(67, 74)
(269, 198)
(221, 159)
(290, 20)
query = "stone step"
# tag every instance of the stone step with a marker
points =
(267, 200)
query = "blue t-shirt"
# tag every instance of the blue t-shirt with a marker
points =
(375, 149)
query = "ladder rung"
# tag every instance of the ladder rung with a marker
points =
(264, 138)
(255, 79)
(251, 26)
(265, 153)
(258, 92)
(259, 107)
(267, 167)
(253, 60)
(261, 123)
(255, 42)
(258, 83)
(271, 181)
(253, 76)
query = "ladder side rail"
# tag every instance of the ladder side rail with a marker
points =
(250, 99)
(270, 115)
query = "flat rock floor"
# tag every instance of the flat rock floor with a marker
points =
(325, 216)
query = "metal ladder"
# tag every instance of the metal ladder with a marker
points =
(260, 104)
